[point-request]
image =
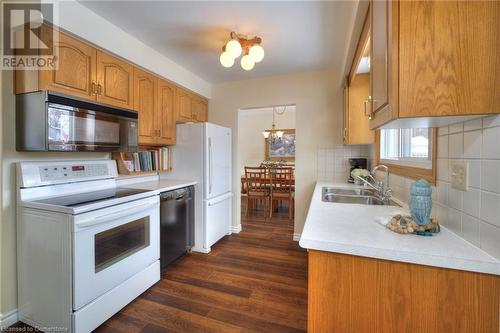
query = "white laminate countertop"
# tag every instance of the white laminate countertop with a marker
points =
(152, 183)
(352, 229)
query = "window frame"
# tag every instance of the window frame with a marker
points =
(408, 171)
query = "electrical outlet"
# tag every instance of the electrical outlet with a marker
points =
(460, 175)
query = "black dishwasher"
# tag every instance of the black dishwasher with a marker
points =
(176, 224)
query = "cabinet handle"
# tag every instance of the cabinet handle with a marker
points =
(93, 89)
(345, 134)
(368, 114)
(99, 89)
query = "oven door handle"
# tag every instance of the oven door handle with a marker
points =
(114, 216)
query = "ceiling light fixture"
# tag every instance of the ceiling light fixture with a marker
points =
(251, 49)
(273, 135)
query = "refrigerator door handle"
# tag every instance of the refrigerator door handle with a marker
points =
(210, 166)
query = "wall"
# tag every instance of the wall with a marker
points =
(318, 100)
(475, 214)
(333, 161)
(252, 122)
(76, 18)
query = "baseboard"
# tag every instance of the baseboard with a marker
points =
(296, 237)
(236, 229)
(8, 319)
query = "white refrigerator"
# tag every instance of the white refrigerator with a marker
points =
(203, 153)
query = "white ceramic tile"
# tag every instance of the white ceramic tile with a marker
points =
(455, 198)
(454, 221)
(491, 121)
(491, 143)
(471, 202)
(442, 193)
(442, 146)
(474, 173)
(456, 128)
(472, 144)
(490, 208)
(490, 176)
(470, 229)
(443, 172)
(443, 130)
(490, 236)
(473, 124)
(456, 145)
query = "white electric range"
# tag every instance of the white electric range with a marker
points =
(86, 247)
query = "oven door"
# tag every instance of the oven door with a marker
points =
(111, 245)
(75, 129)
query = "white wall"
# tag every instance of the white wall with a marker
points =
(318, 100)
(252, 122)
(81, 21)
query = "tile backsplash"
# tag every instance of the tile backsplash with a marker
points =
(333, 162)
(475, 214)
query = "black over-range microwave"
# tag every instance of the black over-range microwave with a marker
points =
(50, 121)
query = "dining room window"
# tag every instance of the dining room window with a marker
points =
(409, 152)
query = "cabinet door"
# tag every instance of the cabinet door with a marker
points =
(76, 72)
(145, 99)
(115, 79)
(380, 55)
(184, 105)
(346, 113)
(449, 58)
(165, 114)
(200, 109)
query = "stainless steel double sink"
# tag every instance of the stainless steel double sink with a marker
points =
(354, 196)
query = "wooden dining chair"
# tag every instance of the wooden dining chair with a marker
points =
(282, 188)
(257, 189)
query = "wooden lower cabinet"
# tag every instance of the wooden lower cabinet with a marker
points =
(357, 294)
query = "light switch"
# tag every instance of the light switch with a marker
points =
(460, 175)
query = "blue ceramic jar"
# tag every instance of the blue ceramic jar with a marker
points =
(420, 202)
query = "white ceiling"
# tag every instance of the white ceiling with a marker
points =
(297, 35)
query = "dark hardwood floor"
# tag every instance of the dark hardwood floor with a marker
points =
(254, 281)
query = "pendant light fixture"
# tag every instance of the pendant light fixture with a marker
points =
(273, 135)
(239, 45)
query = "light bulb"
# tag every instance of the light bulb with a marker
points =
(247, 62)
(279, 134)
(256, 52)
(233, 48)
(266, 134)
(226, 60)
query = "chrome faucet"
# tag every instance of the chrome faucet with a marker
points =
(382, 187)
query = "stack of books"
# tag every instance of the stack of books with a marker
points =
(155, 159)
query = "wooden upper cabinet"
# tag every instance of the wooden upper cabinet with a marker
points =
(200, 109)
(166, 112)
(75, 74)
(449, 58)
(145, 103)
(357, 94)
(115, 79)
(184, 105)
(434, 59)
(380, 54)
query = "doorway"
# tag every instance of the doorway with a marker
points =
(266, 146)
